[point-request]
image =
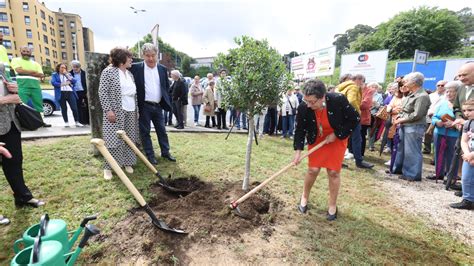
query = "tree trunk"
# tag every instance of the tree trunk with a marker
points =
(248, 155)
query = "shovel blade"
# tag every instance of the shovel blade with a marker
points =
(160, 223)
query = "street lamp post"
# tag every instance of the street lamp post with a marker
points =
(136, 11)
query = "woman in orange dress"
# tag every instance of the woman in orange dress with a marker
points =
(323, 116)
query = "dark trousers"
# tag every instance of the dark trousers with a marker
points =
(271, 121)
(178, 113)
(13, 167)
(427, 140)
(213, 121)
(68, 96)
(363, 135)
(153, 113)
(221, 118)
(82, 107)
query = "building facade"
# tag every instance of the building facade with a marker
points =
(55, 37)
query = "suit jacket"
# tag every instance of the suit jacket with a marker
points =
(83, 79)
(343, 118)
(138, 71)
(179, 91)
(459, 101)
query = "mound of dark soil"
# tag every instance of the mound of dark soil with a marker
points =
(204, 214)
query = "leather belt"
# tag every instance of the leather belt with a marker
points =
(152, 103)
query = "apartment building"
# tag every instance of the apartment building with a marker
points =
(54, 36)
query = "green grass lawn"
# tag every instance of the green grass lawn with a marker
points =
(370, 229)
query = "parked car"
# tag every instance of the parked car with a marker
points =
(49, 104)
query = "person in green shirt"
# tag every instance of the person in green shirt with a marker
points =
(4, 58)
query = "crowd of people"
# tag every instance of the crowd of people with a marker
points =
(349, 118)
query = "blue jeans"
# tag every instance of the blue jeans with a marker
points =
(409, 160)
(356, 143)
(288, 125)
(448, 152)
(153, 113)
(244, 120)
(467, 181)
(196, 108)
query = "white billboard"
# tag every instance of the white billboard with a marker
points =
(372, 65)
(315, 64)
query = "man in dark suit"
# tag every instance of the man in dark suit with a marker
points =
(179, 96)
(152, 84)
(81, 91)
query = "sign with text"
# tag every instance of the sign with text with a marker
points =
(372, 65)
(315, 64)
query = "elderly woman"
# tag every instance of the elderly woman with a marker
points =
(289, 105)
(10, 136)
(323, 116)
(81, 91)
(179, 96)
(117, 95)
(445, 135)
(412, 122)
(196, 98)
(64, 89)
(209, 104)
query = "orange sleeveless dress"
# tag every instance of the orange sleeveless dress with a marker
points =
(331, 155)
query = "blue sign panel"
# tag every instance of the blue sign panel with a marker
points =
(433, 71)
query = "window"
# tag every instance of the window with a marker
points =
(61, 33)
(63, 44)
(60, 22)
(39, 47)
(52, 31)
(73, 36)
(5, 30)
(7, 44)
(45, 39)
(26, 7)
(30, 45)
(72, 24)
(55, 54)
(48, 62)
(64, 55)
(43, 15)
(29, 34)
(46, 50)
(27, 20)
(3, 17)
(3, 3)
(53, 42)
(43, 25)
(51, 20)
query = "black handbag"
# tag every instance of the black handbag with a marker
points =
(29, 118)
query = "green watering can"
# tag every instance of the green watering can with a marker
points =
(54, 229)
(51, 252)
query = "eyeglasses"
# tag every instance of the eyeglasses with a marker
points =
(439, 85)
(312, 102)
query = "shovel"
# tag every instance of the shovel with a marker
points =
(235, 204)
(150, 166)
(99, 143)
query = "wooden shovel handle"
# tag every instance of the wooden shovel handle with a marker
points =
(234, 204)
(99, 144)
(140, 155)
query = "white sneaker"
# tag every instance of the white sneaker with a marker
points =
(129, 169)
(79, 124)
(196, 124)
(349, 156)
(260, 136)
(4, 220)
(66, 124)
(387, 163)
(107, 174)
(387, 150)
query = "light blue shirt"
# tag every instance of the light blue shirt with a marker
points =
(442, 109)
(77, 77)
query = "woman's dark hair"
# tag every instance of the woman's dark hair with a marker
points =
(314, 87)
(119, 56)
(58, 66)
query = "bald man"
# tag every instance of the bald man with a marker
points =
(466, 76)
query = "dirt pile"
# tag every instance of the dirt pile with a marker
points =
(204, 214)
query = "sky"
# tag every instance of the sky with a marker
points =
(206, 27)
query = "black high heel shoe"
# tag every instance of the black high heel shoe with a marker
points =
(331, 217)
(35, 203)
(302, 209)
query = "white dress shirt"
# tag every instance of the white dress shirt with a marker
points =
(152, 85)
(128, 90)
